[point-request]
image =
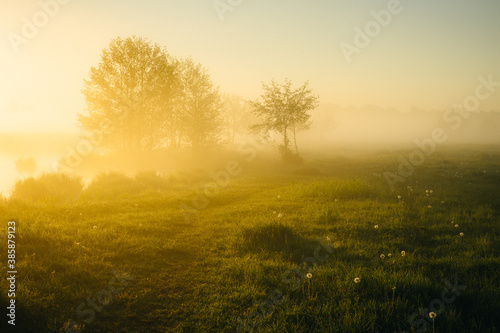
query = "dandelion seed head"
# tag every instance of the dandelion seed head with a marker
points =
(357, 280)
(382, 256)
(456, 225)
(376, 226)
(309, 275)
(403, 253)
(432, 315)
(389, 255)
(462, 234)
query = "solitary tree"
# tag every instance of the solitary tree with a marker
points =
(283, 110)
(129, 95)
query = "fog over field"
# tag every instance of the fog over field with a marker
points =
(250, 166)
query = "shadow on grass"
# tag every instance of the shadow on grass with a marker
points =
(25, 321)
(276, 238)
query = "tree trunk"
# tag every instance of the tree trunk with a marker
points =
(295, 141)
(285, 141)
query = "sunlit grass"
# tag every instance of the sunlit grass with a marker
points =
(204, 275)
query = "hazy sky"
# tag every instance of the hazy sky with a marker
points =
(429, 55)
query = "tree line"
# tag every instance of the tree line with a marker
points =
(140, 98)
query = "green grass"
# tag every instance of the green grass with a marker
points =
(226, 263)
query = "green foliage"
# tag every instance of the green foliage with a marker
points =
(284, 110)
(48, 187)
(199, 105)
(115, 185)
(111, 183)
(140, 99)
(225, 265)
(151, 180)
(129, 95)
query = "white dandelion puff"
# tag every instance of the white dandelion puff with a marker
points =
(382, 256)
(462, 234)
(432, 315)
(376, 226)
(357, 280)
(403, 253)
(456, 225)
(309, 275)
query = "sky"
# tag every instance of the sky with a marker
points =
(426, 54)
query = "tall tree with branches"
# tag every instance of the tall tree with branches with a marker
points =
(128, 96)
(284, 110)
(199, 106)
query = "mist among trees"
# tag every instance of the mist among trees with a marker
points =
(140, 98)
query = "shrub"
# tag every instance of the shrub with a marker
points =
(115, 185)
(48, 186)
(150, 180)
(26, 165)
(289, 157)
(111, 184)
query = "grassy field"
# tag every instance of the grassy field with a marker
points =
(129, 255)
